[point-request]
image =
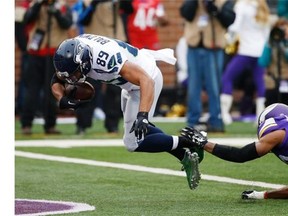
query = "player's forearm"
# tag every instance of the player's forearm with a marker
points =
(57, 90)
(146, 95)
(277, 194)
(233, 154)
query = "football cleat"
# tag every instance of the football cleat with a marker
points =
(190, 164)
(200, 153)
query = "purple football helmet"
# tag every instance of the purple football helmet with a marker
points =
(274, 110)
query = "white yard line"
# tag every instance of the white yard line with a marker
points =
(72, 120)
(142, 169)
(112, 142)
(69, 143)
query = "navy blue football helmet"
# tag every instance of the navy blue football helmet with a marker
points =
(72, 56)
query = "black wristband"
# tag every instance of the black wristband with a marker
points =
(142, 114)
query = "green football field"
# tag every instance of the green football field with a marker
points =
(106, 176)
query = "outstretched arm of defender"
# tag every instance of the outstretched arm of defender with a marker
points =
(248, 152)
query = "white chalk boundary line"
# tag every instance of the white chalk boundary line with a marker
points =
(69, 143)
(75, 207)
(112, 142)
(142, 169)
(155, 119)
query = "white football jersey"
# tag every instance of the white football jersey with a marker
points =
(109, 56)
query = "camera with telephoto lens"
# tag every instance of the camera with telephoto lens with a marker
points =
(277, 35)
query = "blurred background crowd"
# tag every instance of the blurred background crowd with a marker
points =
(232, 57)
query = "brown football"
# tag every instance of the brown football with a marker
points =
(80, 91)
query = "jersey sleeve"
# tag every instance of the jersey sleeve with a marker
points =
(272, 124)
(267, 126)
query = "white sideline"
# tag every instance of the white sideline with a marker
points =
(72, 120)
(69, 143)
(112, 142)
(143, 169)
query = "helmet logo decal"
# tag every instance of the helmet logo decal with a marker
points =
(79, 53)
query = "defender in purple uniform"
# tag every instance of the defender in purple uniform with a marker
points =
(273, 137)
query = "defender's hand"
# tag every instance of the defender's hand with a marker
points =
(198, 138)
(140, 125)
(252, 194)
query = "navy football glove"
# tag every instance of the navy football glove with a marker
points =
(68, 103)
(140, 125)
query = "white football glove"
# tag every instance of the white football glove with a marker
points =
(252, 194)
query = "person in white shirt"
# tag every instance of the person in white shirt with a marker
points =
(252, 26)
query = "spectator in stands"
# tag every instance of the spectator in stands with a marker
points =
(50, 20)
(181, 54)
(251, 26)
(102, 17)
(21, 38)
(143, 19)
(275, 59)
(85, 114)
(282, 9)
(205, 25)
(77, 8)
(181, 70)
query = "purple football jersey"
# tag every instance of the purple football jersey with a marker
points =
(273, 124)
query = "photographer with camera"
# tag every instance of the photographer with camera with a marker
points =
(275, 59)
(206, 23)
(50, 21)
(102, 17)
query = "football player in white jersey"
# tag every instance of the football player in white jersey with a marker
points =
(273, 137)
(93, 57)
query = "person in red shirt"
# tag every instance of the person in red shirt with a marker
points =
(142, 23)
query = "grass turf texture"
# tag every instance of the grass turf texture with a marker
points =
(123, 192)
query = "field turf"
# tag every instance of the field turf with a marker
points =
(125, 192)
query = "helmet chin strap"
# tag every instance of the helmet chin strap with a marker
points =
(75, 82)
(81, 79)
(71, 80)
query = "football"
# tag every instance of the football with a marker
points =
(80, 91)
